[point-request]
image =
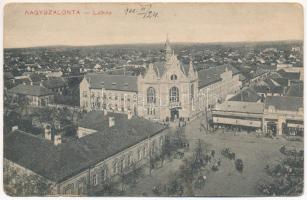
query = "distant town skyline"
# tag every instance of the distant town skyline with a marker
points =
(30, 25)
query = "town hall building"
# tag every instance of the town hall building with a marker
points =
(168, 89)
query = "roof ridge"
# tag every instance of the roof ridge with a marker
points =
(111, 74)
(26, 133)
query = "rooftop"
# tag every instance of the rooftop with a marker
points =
(285, 103)
(270, 86)
(8, 75)
(112, 82)
(212, 75)
(296, 90)
(54, 82)
(247, 94)
(240, 106)
(32, 90)
(289, 75)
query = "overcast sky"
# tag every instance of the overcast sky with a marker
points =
(182, 22)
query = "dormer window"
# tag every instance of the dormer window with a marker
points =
(173, 77)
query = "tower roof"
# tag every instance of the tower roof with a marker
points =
(167, 44)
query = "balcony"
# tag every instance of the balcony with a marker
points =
(174, 105)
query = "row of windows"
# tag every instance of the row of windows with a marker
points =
(103, 173)
(81, 187)
(151, 111)
(111, 96)
(117, 167)
(173, 94)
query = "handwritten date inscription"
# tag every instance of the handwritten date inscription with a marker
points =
(145, 11)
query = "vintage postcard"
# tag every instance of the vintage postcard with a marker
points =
(153, 99)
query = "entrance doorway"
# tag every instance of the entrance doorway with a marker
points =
(272, 128)
(174, 114)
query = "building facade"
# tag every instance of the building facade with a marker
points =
(238, 114)
(32, 95)
(168, 90)
(278, 115)
(102, 153)
(284, 115)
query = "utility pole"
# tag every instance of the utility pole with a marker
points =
(149, 155)
(207, 109)
(198, 161)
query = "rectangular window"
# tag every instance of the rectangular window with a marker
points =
(122, 165)
(144, 152)
(68, 190)
(129, 160)
(115, 168)
(139, 154)
(161, 140)
(81, 186)
(103, 174)
(95, 179)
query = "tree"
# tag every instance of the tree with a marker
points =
(23, 105)
(17, 183)
(11, 118)
(198, 157)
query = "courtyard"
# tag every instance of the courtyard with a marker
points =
(255, 152)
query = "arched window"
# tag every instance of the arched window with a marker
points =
(151, 95)
(173, 77)
(192, 91)
(174, 94)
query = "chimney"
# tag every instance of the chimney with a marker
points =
(31, 83)
(14, 128)
(48, 132)
(57, 139)
(111, 122)
(129, 114)
(105, 112)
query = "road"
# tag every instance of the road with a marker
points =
(255, 152)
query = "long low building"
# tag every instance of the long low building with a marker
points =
(239, 114)
(284, 115)
(107, 145)
(33, 95)
(277, 115)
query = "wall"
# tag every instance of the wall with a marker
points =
(112, 100)
(16, 177)
(111, 167)
(211, 94)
